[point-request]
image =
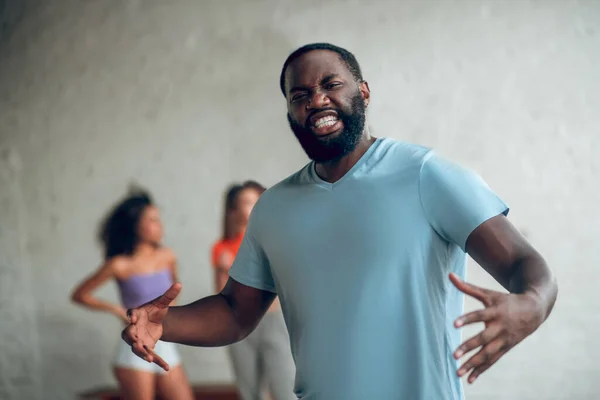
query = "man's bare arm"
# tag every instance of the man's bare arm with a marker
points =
(507, 256)
(217, 320)
(509, 317)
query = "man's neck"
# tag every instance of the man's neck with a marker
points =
(335, 170)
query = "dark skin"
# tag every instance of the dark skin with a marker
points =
(315, 81)
(319, 79)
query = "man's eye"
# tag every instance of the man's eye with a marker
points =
(333, 85)
(299, 96)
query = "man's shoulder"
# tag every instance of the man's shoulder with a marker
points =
(427, 163)
(294, 181)
(282, 193)
(403, 154)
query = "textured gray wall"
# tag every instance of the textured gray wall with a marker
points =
(182, 96)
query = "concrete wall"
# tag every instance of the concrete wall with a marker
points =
(182, 97)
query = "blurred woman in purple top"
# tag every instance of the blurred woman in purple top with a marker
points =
(131, 236)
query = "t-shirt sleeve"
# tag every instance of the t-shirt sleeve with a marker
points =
(251, 266)
(455, 199)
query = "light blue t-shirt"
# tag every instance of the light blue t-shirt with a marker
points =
(361, 268)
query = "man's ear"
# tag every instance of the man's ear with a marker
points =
(365, 92)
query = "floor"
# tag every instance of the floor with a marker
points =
(203, 392)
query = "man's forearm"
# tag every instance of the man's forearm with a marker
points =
(532, 276)
(208, 322)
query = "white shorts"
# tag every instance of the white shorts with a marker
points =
(127, 358)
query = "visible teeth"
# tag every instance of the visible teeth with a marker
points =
(329, 120)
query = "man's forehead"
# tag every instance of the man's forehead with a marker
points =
(314, 66)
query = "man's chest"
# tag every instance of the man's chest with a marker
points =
(329, 233)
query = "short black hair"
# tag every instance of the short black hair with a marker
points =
(346, 57)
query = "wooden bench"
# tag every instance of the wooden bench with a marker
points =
(201, 392)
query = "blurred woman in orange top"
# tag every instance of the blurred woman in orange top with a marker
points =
(265, 355)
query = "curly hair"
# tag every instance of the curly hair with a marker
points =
(118, 230)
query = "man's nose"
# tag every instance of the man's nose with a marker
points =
(318, 99)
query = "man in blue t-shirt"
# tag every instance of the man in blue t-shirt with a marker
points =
(366, 247)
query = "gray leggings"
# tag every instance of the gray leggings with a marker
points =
(264, 357)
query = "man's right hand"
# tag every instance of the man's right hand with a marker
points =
(146, 326)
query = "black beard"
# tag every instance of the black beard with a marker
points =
(332, 149)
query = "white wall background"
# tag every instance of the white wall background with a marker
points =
(182, 97)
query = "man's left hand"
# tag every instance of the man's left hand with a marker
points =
(509, 318)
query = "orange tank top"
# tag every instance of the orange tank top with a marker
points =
(232, 246)
(226, 246)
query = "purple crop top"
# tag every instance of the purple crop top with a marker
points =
(140, 289)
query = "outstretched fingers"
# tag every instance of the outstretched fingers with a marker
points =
(469, 289)
(483, 315)
(483, 367)
(167, 298)
(157, 359)
(483, 359)
(141, 350)
(479, 340)
(132, 316)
